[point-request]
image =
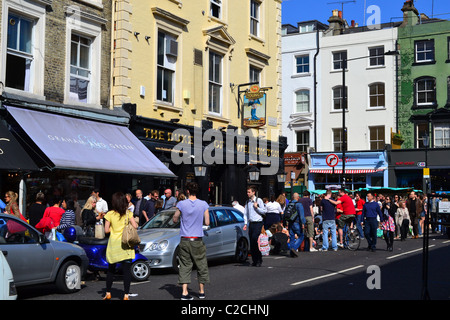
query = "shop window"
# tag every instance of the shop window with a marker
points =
(376, 181)
(377, 141)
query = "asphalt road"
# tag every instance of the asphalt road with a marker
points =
(341, 275)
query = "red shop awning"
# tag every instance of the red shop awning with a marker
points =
(338, 171)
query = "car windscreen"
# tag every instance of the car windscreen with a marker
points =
(164, 219)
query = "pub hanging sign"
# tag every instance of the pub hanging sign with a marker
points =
(254, 107)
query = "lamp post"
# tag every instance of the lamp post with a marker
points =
(344, 105)
(253, 173)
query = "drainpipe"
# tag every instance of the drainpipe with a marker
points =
(315, 85)
(397, 87)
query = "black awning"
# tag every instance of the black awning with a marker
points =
(12, 156)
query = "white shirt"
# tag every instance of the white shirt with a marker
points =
(273, 207)
(254, 215)
(240, 208)
(101, 206)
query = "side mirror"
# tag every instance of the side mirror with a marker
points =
(43, 239)
(206, 228)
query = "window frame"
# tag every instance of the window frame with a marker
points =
(37, 13)
(425, 51)
(79, 23)
(338, 145)
(426, 91)
(219, 5)
(340, 98)
(77, 66)
(377, 56)
(212, 83)
(380, 139)
(302, 64)
(445, 128)
(377, 95)
(340, 59)
(255, 7)
(418, 128)
(296, 95)
(305, 135)
(168, 66)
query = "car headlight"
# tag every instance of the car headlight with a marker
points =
(160, 246)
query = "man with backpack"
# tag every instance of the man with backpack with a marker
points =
(294, 216)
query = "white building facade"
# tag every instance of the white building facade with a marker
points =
(370, 116)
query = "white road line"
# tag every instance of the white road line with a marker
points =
(446, 241)
(327, 275)
(408, 252)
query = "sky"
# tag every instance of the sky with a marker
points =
(294, 11)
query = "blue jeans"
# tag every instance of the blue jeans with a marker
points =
(370, 231)
(359, 226)
(329, 224)
(295, 229)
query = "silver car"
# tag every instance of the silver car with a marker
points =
(224, 237)
(34, 259)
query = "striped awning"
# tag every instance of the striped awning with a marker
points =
(339, 171)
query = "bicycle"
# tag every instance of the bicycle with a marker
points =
(352, 239)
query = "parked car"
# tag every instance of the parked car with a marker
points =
(224, 237)
(34, 259)
(7, 285)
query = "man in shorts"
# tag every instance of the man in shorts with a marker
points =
(348, 214)
(193, 213)
(309, 216)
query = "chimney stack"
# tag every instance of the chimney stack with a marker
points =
(410, 14)
(336, 23)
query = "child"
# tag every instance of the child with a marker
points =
(263, 243)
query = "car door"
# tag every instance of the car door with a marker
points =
(29, 260)
(213, 237)
(228, 224)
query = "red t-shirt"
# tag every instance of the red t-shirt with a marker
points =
(347, 205)
(359, 205)
(338, 214)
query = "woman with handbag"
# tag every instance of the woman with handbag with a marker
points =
(89, 217)
(116, 221)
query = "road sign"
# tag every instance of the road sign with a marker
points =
(332, 160)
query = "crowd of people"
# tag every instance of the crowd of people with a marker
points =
(390, 217)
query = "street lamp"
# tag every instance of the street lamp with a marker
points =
(344, 105)
(281, 177)
(253, 173)
(200, 170)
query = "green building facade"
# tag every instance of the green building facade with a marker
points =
(423, 115)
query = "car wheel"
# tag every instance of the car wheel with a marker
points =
(241, 254)
(140, 270)
(176, 261)
(68, 279)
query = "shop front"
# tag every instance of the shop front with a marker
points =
(73, 151)
(363, 169)
(406, 168)
(296, 173)
(221, 166)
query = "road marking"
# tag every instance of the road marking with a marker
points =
(327, 275)
(408, 252)
(446, 241)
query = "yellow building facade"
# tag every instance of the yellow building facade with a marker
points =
(180, 64)
(186, 60)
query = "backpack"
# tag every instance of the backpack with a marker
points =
(290, 214)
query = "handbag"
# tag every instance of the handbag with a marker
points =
(99, 231)
(130, 237)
